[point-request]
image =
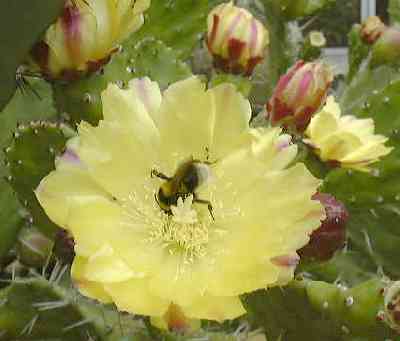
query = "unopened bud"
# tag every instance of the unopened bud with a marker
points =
(235, 39)
(331, 235)
(299, 94)
(386, 50)
(86, 35)
(371, 29)
(392, 306)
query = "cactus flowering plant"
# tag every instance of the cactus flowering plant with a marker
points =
(194, 170)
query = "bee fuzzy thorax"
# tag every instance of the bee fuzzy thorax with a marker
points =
(188, 178)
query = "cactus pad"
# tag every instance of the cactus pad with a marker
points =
(30, 158)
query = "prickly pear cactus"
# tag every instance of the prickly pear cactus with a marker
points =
(29, 157)
(313, 310)
(347, 291)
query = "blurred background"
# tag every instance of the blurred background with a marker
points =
(336, 21)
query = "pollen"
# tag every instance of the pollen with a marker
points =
(182, 233)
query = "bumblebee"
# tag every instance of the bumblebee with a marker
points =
(187, 179)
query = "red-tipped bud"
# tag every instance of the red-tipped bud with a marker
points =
(371, 29)
(387, 48)
(235, 39)
(331, 235)
(299, 94)
(84, 37)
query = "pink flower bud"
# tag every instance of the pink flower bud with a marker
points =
(371, 29)
(387, 47)
(85, 36)
(331, 235)
(299, 94)
(235, 39)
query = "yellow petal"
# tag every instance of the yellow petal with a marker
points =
(149, 94)
(65, 188)
(90, 289)
(105, 266)
(215, 308)
(135, 297)
(187, 115)
(338, 146)
(233, 113)
(113, 226)
(174, 277)
(116, 159)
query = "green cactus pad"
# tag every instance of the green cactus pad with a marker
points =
(30, 158)
(34, 103)
(178, 23)
(383, 106)
(11, 217)
(315, 311)
(365, 84)
(81, 99)
(21, 24)
(39, 310)
(348, 266)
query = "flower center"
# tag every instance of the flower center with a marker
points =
(182, 232)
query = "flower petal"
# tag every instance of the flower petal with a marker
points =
(90, 289)
(65, 188)
(233, 113)
(105, 266)
(186, 120)
(116, 159)
(135, 297)
(215, 307)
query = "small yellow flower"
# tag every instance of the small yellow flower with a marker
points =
(86, 34)
(317, 39)
(235, 38)
(130, 251)
(347, 140)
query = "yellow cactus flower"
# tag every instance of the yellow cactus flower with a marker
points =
(235, 39)
(136, 251)
(86, 34)
(345, 140)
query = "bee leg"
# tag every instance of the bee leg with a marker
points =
(156, 173)
(156, 198)
(209, 206)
